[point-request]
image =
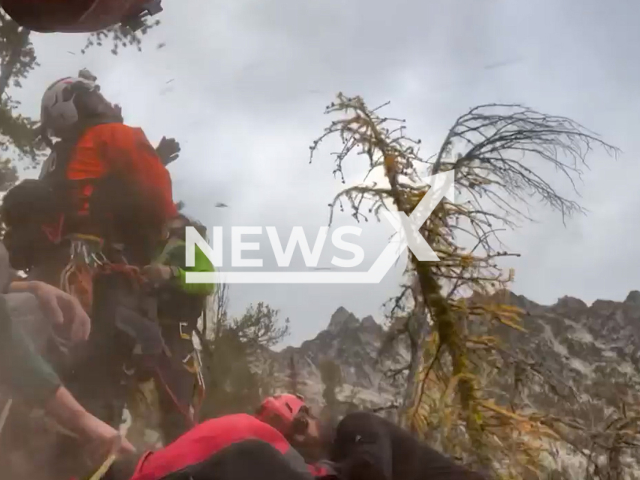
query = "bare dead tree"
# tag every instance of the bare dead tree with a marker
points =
(494, 146)
(491, 150)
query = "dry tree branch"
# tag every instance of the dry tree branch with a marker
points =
(491, 149)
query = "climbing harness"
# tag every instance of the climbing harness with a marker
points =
(86, 258)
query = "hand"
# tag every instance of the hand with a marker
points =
(118, 109)
(101, 439)
(60, 308)
(168, 150)
(87, 75)
(157, 273)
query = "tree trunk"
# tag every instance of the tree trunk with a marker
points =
(419, 334)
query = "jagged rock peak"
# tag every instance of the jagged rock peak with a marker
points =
(567, 302)
(341, 319)
(504, 296)
(633, 298)
(369, 321)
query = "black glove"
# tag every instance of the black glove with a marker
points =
(168, 150)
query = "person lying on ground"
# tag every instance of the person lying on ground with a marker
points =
(363, 446)
(232, 447)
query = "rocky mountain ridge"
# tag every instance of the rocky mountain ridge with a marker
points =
(354, 345)
(587, 358)
(593, 351)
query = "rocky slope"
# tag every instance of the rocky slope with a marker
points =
(354, 345)
(590, 354)
(592, 350)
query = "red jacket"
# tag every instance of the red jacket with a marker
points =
(208, 438)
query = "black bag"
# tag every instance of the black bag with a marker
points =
(25, 209)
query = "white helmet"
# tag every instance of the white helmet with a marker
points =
(58, 112)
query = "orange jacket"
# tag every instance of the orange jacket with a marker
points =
(114, 148)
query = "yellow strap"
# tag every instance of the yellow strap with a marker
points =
(82, 236)
(183, 335)
(109, 461)
(104, 467)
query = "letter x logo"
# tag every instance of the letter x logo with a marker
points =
(408, 228)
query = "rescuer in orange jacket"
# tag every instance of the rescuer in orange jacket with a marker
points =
(77, 16)
(99, 208)
(94, 142)
(106, 176)
(116, 198)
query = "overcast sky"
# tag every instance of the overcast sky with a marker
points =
(243, 84)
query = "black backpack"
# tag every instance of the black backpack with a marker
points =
(25, 208)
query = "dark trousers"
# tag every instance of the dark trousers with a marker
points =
(176, 386)
(174, 382)
(247, 460)
(98, 378)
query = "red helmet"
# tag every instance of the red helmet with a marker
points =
(281, 410)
